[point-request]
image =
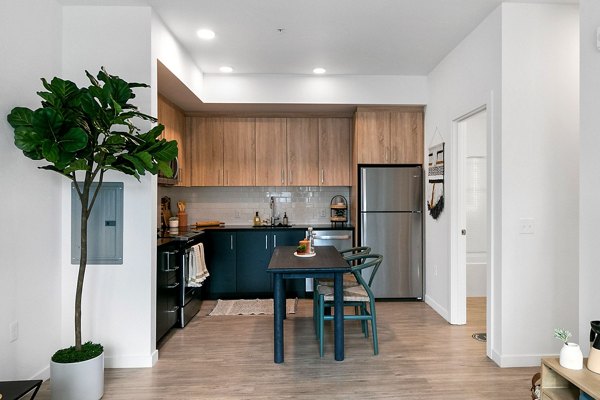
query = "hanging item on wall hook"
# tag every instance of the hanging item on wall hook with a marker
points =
(435, 180)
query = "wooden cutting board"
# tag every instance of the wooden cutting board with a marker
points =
(209, 223)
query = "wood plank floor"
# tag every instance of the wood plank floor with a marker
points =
(421, 357)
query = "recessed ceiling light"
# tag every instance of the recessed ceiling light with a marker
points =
(205, 34)
(226, 69)
(319, 70)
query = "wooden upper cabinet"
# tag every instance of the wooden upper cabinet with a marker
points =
(373, 137)
(303, 151)
(239, 151)
(389, 137)
(334, 152)
(173, 120)
(205, 137)
(406, 137)
(271, 152)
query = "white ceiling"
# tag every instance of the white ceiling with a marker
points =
(354, 37)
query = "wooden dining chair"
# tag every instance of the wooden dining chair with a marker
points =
(357, 296)
(349, 280)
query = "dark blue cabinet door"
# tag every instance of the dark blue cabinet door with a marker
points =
(253, 255)
(220, 252)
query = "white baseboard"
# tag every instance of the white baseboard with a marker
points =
(43, 374)
(437, 308)
(147, 361)
(525, 360)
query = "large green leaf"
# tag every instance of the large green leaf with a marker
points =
(115, 140)
(63, 89)
(77, 165)
(27, 139)
(74, 140)
(167, 152)
(146, 158)
(50, 98)
(137, 163)
(20, 116)
(120, 91)
(50, 151)
(165, 168)
(47, 122)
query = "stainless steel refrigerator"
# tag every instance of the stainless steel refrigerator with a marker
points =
(391, 223)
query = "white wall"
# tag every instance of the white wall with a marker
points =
(522, 63)
(540, 171)
(168, 50)
(30, 239)
(589, 189)
(469, 77)
(309, 89)
(119, 300)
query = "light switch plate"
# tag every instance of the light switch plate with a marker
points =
(598, 38)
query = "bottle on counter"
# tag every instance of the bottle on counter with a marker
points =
(285, 219)
(256, 221)
(311, 239)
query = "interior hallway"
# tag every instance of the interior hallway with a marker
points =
(421, 357)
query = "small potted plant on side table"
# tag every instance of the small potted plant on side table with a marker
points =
(571, 356)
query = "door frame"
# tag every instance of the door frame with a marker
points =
(458, 275)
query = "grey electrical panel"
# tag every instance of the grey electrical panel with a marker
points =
(105, 225)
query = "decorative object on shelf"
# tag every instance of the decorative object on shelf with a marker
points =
(339, 210)
(181, 214)
(82, 132)
(593, 362)
(570, 354)
(435, 185)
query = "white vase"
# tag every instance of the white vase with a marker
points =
(571, 356)
(78, 381)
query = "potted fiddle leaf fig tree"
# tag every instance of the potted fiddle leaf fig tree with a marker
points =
(83, 132)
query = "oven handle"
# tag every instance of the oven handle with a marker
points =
(340, 237)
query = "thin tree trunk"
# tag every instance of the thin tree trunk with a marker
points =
(82, 258)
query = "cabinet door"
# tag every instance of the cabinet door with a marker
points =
(206, 150)
(253, 256)
(173, 120)
(373, 137)
(220, 253)
(239, 152)
(271, 157)
(303, 151)
(406, 137)
(334, 152)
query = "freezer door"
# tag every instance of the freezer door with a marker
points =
(398, 237)
(391, 189)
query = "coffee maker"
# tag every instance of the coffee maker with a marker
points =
(593, 363)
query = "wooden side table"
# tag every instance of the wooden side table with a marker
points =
(13, 390)
(559, 383)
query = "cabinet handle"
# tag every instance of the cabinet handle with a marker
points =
(282, 179)
(291, 176)
(173, 286)
(386, 153)
(226, 178)
(395, 154)
(174, 309)
(231, 241)
(218, 177)
(170, 269)
(274, 240)
(266, 242)
(322, 175)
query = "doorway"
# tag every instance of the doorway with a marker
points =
(471, 219)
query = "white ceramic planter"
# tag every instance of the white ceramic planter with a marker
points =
(78, 381)
(571, 356)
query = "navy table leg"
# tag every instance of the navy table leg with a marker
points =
(278, 314)
(338, 316)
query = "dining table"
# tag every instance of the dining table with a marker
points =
(325, 262)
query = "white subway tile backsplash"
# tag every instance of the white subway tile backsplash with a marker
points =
(303, 204)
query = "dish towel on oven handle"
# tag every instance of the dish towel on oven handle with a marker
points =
(198, 271)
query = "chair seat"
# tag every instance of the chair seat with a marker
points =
(353, 293)
(349, 281)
